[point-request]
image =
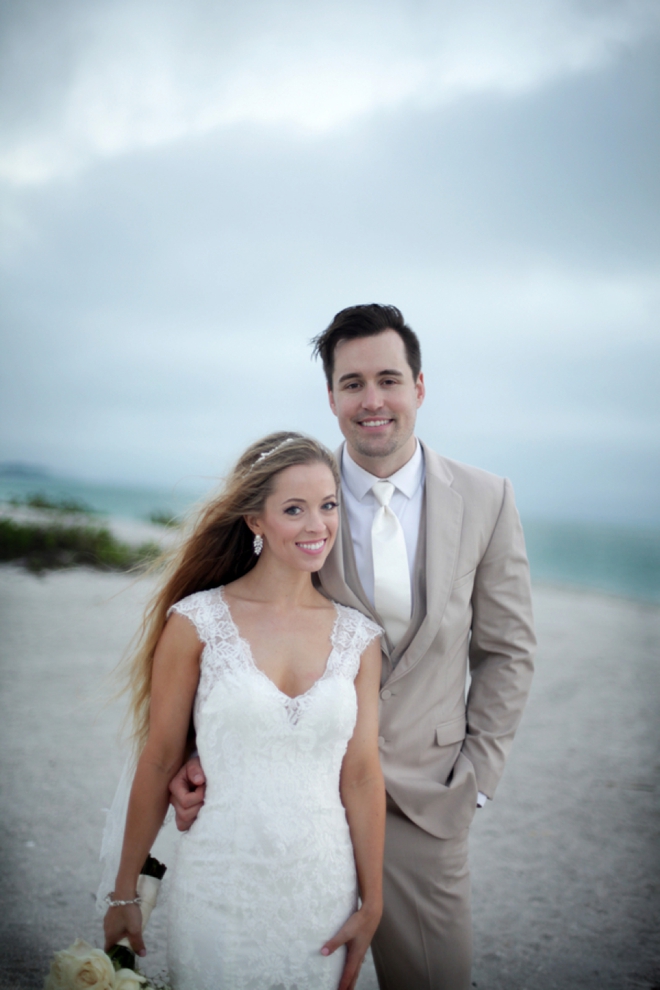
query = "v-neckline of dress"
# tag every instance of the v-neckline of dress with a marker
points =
(247, 650)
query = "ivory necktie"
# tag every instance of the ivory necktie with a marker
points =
(391, 573)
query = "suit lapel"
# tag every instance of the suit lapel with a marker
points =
(444, 515)
(339, 579)
(338, 576)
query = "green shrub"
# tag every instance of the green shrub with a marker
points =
(162, 517)
(66, 504)
(41, 546)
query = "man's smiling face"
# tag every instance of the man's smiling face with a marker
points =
(375, 399)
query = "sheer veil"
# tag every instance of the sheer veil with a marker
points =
(164, 847)
(113, 832)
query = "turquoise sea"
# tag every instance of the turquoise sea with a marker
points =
(620, 560)
(125, 501)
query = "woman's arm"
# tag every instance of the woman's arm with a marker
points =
(363, 795)
(173, 684)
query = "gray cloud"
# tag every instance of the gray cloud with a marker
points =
(119, 76)
(161, 292)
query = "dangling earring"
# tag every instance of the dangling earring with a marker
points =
(258, 544)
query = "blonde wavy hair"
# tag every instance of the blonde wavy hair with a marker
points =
(219, 549)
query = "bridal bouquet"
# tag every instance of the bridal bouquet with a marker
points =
(82, 967)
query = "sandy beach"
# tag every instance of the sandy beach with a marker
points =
(564, 860)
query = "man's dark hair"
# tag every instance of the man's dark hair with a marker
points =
(365, 321)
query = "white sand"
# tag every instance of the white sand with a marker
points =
(565, 870)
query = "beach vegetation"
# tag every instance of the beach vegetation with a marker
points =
(66, 505)
(163, 517)
(56, 543)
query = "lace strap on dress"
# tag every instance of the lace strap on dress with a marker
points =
(352, 634)
(198, 609)
(223, 649)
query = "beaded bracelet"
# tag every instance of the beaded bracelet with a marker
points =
(109, 901)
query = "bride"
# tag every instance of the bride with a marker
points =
(281, 687)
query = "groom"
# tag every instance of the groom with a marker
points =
(434, 552)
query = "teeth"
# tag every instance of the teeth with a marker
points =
(312, 546)
(375, 422)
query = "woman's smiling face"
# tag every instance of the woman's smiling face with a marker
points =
(300, 518)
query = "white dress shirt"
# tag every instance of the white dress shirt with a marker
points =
(361, 506)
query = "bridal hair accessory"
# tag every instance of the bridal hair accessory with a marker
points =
(273, 450)
(258, 544)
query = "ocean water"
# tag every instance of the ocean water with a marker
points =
(619, 560)
(125, 501)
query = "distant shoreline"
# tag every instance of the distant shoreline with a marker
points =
(611, 558)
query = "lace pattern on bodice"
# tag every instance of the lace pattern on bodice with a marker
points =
(225, 650)
(267, 872)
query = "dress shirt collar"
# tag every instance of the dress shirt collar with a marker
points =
(407, 479)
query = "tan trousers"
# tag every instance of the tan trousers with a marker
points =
(424, 941)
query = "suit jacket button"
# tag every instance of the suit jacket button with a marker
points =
(381, 740)
(386, 694)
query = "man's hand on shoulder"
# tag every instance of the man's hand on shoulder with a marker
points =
(187, 792)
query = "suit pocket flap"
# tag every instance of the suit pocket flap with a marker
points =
(450, 732)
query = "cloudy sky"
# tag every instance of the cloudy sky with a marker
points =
(191, 190)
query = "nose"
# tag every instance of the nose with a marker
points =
(371, 397)
(315, 523)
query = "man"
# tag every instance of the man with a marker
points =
(433, 551)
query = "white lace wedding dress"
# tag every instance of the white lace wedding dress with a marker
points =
(266, 874)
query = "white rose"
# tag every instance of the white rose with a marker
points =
(80, 967)
(128, 979)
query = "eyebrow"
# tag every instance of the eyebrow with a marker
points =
(357, 374)
(296, 498)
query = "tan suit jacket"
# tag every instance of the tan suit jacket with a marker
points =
(472, 611)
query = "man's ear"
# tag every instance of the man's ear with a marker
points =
(331, 400)
(420, 388)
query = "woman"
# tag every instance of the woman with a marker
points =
(282, 686)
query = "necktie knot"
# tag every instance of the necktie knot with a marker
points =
(383, 491)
